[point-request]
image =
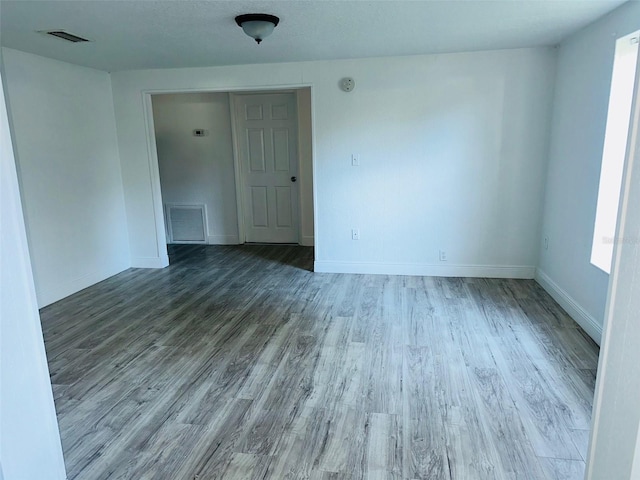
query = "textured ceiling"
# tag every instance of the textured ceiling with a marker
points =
(183, 33)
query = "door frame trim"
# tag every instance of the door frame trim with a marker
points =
(237, 170)
(154, 169)
(237, 165)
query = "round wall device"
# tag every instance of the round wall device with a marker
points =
(347, 84)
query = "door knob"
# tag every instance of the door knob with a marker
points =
(293, 179)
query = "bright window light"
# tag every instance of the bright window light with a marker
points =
(615, 146)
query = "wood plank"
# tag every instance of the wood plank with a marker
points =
(424, 445)
(560, 469)
(504, 424)
(539, 407)
(238, 362)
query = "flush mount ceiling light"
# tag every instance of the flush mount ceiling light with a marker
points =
(257, 25)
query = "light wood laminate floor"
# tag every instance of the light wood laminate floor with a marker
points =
(238, 362)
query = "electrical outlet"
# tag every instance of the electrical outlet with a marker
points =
(546, 243)
(443, 256)
(355, 160)
(355, 234)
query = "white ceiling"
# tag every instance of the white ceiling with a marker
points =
(184, 33)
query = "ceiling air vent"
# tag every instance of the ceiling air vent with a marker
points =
(66, 36)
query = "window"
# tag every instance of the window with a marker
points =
(615, 146)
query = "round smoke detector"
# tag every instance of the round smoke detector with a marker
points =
(347, 84)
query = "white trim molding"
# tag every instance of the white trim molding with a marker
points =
(223, 240)
(154, 177)
(571, 306)
(307, 240)
(150, 262)
(428, 270)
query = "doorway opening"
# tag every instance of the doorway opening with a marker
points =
(235, 167)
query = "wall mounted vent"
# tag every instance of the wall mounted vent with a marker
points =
(186, 223)
(65, 36)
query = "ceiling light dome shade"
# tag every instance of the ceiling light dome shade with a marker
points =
(257, 25)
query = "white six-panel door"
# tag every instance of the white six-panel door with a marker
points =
(266, 129)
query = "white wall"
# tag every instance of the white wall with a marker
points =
(453, 156)
(614, 452)
(29, 439)
(583, 80)
(198, 170)
(69, 172)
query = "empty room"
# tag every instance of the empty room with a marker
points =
(319, 239)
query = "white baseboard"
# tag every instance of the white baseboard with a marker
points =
(573, 308)
(223, 240)
(52, 293)
(428, 270)
(306, 241)
(150, 262)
